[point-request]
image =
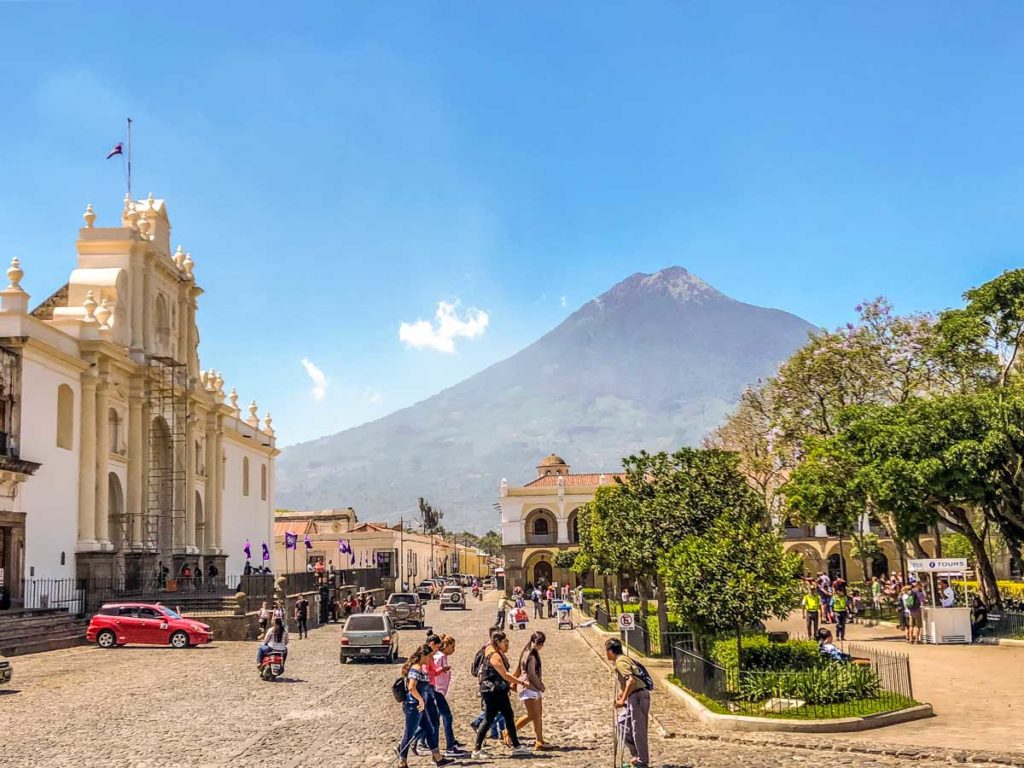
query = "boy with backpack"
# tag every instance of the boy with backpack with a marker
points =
(912, 607)
(634, 697)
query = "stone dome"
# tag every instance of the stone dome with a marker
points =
(553, 461)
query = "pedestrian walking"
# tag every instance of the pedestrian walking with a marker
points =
(417, 686)
(479, 659)
(840, 607)
(362, 602)
(634, 698)
(496, 681)
(503, 606)
(532, 691)
(550, 596)
(876, 595)
(264, 618)
(302, 616)
(912, 607)
(186, 577)
(371, 603)
(810, 605)
(538, 606)
(442, 680)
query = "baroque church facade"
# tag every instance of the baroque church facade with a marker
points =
(119, 455)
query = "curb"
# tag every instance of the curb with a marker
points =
(748, 724)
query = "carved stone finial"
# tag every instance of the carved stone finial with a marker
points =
(233, 398)
(253, 419)
(503, 487)
(150, 203)
(187, 264)
(218, 384)
(89, 216)
(204, 379)
(90, 306)
(103, 313)
(144, 226)
(179, 257)
(14, 274)
(268, 424)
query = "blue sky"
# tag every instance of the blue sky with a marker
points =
(338, 170)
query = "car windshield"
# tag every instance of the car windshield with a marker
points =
(402, 599)
(365, 624)
(450, 589)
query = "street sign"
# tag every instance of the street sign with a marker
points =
(938, 565)
(627, 621)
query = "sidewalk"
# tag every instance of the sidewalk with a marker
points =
(974, 689)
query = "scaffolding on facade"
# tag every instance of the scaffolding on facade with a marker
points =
(154, 534)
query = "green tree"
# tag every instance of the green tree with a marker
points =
(490, 543)
(430, 518)
(866, 548)
(629, 526)
(730, 576)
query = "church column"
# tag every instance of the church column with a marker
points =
(136, 461)
(87, 465)
(138, 301)
(218, 512)
(184, 326)
(190, 481)
(147, 329)
(101, 438)
(212, 495)
(563, 530)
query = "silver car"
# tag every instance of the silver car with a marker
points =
(404, 608)
(453, 597)
(369, 636)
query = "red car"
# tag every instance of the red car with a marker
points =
(150, 623)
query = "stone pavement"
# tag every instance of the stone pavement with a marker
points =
(975, 690)
(154, 706)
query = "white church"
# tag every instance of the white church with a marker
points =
(119, 455)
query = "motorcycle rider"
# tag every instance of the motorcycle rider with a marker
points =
(276, 640)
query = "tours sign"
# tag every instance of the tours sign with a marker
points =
(938, 565)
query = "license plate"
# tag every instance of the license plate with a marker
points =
(364, 651)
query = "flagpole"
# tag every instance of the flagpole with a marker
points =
(129, 158)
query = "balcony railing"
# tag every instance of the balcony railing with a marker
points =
(540, 538)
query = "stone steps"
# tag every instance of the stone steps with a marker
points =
(35, 630)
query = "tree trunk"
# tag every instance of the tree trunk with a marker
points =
(641, 588)
(961, 522)
(842, 559)
(739, 647)
(662, 607)
(938, 540)
(915, 544)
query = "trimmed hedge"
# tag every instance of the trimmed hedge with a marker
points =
(761, 656)
(828, 684)
(592, 594)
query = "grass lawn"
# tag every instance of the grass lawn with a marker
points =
(859, 708)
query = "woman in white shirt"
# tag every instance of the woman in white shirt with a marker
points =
(276, 639)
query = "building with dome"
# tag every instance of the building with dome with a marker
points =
(538, 520)
(120, 456)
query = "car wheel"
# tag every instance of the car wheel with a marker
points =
(179, 640)
(106, 639)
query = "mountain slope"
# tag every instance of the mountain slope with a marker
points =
(653, 363)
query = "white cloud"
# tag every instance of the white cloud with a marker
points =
(319, 390)
(447, 326)
(562, 300)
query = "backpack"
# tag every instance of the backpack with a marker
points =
(398, 689)
(640, 673)
(914, 602)
(478, 662)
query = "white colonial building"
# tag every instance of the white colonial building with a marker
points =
(119, 455)
(538, 520)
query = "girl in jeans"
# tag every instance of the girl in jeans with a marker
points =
(417, 684)
(495, 683)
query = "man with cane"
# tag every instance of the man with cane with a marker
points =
(634, 698)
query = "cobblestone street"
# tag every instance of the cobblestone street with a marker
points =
(154, 706)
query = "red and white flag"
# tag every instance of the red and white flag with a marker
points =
(117, 150)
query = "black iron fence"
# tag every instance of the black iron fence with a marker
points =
(656, 644)
(1008, 624)
(871, 682)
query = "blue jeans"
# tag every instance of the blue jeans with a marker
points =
(446, 718)
(496, 727)
(419, 725)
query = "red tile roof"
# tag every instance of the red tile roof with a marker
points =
(592, 478)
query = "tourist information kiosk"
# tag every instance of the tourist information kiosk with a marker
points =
(943, 625)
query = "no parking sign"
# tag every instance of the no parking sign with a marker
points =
(627, 621)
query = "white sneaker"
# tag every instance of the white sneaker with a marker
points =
(481, 755)
(521, 752)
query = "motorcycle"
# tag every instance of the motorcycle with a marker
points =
(272, 666)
